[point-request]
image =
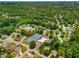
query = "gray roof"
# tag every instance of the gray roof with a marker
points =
(49, 41)
(34, 37)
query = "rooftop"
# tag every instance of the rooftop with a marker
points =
(42, 39)
(34, 37)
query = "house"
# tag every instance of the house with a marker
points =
(35, 37)
(48, 41)
(18, 50)
(43, 39)
(15, 34)
(28, 27)
(10, 46)
(23, 39)
(4, 36)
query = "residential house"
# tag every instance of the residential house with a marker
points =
(18, 50)
(37, 38)
(10, 46)
(4, 36)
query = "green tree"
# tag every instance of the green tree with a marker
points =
(6, 23)
(2, 49)
(9, 55)
(61, 51)
(32, 44)
(7, 30)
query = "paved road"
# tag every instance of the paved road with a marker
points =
(36, 52)
(26, 52)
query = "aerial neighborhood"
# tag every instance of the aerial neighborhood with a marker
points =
(39, 29)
